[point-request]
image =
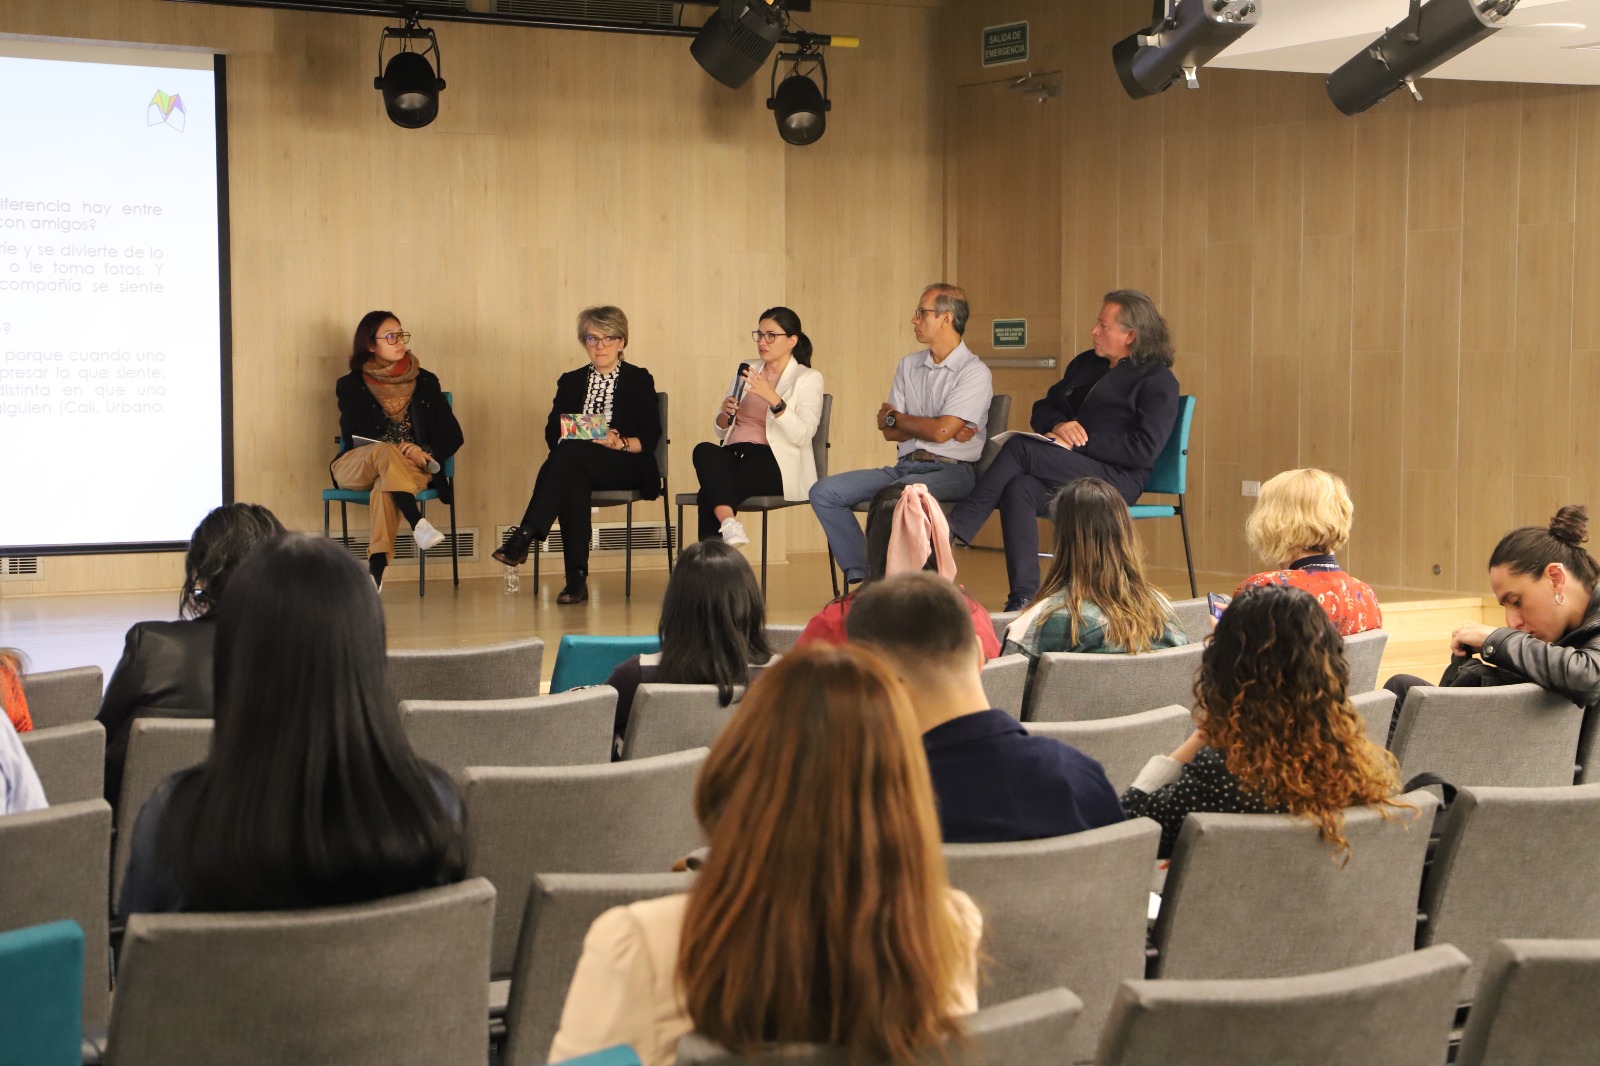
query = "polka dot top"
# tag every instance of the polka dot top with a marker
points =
(1167, 791)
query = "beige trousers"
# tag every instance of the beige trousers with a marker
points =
(381, 468)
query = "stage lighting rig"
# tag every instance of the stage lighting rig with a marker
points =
(1431, 33)
(1187, 35)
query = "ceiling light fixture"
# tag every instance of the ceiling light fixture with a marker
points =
(408, 82)
(1186, 35)
(799, 107)
(737, 38)
(1431, 34)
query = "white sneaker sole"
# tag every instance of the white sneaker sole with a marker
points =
(426, 536)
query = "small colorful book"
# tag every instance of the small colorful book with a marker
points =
(584, 427)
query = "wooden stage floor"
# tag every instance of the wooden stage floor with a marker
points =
(61, 631)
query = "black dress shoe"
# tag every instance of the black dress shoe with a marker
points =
(514, 552)
(577, 589)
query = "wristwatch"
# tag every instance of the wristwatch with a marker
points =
(888, 420)
(780, 407)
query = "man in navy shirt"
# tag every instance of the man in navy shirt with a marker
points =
(992, 781)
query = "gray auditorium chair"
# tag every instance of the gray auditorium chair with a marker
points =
(564, 729)
(560, 909)
(1065, 912)
(70, 761)
(628, 817)
(668, 718)
(1513, 862)
(1002, 621)
(782, 638)
(1124, 744)
(157, 749)
(1520, 735)
(1262, 895)
(504, 671)
(1376, 709)
(63, 697)
(1538, 1002)
(1364, 654)
(1005, 682)
(1034, 1030)
(1194, 618)
(1395, 1012)
(53, 867)
(1589, 746)
(1070, 686)
(393, 982)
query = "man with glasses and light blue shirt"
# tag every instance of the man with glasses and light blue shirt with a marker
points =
(938, 415)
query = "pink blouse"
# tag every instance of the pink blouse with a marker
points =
(750, 420)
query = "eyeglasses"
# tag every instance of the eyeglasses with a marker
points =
(395, 337)
(590, 340)
(924, 311)
(758, 335)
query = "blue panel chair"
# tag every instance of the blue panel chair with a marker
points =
(1170, 477)
(590, 660)
(767, 504)
(345, 497)
(41, 985)
(621, 1055)
(627, 498)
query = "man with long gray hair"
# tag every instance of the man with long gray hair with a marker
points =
(1108, 417)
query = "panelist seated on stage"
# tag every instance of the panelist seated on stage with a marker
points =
(397, 429)
(765, 430)
(937, 414)
(1108, 417)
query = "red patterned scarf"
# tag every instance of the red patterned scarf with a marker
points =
(392, 385)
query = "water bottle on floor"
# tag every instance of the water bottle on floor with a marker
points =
(513, 583)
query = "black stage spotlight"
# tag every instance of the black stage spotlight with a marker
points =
(1432, 33)
(800, 108)
(409, 85)
(737, 39)
(1187, 35)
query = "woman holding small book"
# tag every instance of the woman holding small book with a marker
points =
(602, 432)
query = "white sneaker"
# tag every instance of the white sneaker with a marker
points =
(425, 535)
(733, 533)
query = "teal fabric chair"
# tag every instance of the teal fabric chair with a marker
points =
(1170, 477)
(345, 497)
(41, 989)
(590, 660)
(620, 1055)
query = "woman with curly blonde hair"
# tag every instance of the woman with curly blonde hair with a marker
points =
(822, 913)
(1275, 731)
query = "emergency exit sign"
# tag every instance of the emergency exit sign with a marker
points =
(1005, 44)
(1010, 333)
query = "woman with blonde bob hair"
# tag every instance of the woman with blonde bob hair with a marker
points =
(822, 913)
(1275, 730)
(1096, 597)
(1300, 520)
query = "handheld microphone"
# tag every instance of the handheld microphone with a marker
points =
(739, 382)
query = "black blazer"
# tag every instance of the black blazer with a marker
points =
(635, 412)
(437, 431)
(165, 672)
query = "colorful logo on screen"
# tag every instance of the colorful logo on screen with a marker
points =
(165, 110)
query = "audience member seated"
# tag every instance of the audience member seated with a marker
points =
(165, 668)
(1300, 520)
(992, 780)
(13, 701)
(311, 796)
(20, 789)
(1545, 580)
(821, 913)
(1275, 728)
(713, 627)
(906, 532)
(1095, 597)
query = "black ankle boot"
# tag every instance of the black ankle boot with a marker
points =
(376, 564)
(514, 552)
(577, 589)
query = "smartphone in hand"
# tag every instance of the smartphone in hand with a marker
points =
(1218, 603)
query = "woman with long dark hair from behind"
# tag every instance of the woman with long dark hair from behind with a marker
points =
(822, 913)
(1275, 730)
(713, 629)
(1095, 597)
(311, 795)
(166, 670)
(1545, 580)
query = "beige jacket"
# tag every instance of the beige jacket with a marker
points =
(625, 989)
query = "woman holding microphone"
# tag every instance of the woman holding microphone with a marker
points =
(765, 425)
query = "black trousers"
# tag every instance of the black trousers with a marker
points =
(562, 491)
(731, 474)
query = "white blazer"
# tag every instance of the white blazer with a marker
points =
(789, 434)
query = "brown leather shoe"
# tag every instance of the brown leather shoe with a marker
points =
(577, 589)
(514, 552)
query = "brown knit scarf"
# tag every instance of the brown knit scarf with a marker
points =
(392, 386)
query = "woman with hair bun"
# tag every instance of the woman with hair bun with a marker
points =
(1275, 731)
(1545, 580)
(765, 446)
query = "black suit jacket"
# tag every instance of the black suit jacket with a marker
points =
(635, 412)
(165, 672)
(437, 431)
